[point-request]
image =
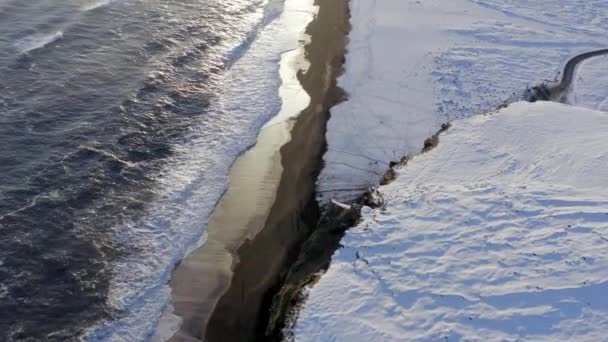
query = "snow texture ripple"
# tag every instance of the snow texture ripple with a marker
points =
(499, 234)
(412, 65)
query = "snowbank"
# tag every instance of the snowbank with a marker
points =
(412, 65)
(589, 87)
(500, 233)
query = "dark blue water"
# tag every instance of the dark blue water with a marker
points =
(96, 98)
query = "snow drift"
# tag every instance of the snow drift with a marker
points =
(499, 233)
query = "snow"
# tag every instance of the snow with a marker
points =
(414, 64)
(589, 88)
(498, 234)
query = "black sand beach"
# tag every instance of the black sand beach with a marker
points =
(224, 289)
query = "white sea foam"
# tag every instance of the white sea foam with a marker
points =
(168, 325)
(92, 5)
(196, 179)
(37, 41)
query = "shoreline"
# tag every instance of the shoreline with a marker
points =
(295, 213)
(255, 230)
(317, 251)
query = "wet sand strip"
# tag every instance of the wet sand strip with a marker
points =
(223, 290)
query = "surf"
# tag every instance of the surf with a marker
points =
(37, 41)
(93, 5)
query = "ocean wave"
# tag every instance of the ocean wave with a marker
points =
(93, 5)
(37, 41)
(192, 185)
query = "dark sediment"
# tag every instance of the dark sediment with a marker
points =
(242, 313)
(224, 290)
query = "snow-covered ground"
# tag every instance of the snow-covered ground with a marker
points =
(501, 232)
(590, 87)
(413, 64)
(498, 234)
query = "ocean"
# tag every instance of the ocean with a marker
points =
(119, 121)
